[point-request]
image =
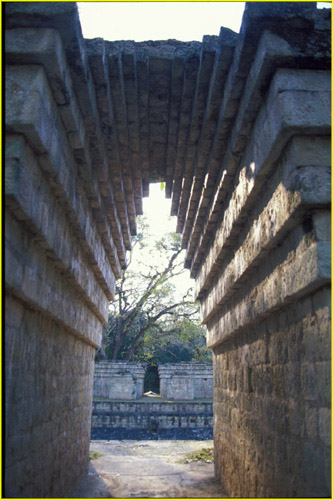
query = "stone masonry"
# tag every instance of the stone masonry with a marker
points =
(156, 415)
(61, 256)
(186, 381)
(118, 380)
(238, 127)
(264, 277)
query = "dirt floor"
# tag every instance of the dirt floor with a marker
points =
(149, 469)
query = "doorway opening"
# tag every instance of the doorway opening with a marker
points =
(151, 380)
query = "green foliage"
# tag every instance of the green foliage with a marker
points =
(181, 339)
(146, 322)
(94, 454)
(205, 455)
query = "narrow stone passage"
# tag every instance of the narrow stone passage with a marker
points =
(149, 469)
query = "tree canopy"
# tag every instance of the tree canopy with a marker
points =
(149, 320)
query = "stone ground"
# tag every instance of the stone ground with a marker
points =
(148, 469)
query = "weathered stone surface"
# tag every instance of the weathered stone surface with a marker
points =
(185, 381)
(264, 289)
(119, 380)
(34, 277)
(48, 408)
(239, 128)
(96, 50)
(281, 208)
(267, 401)
(282, 116)
(28, 195)
(272, 52)
(267, 292)
(272, 219)
(31, 111)
(223, 59)
(152, 416)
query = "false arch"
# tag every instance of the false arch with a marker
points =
(238, 128)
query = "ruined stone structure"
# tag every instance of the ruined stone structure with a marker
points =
(186, 381)
(156, 418)
(178, 381)
(238, 126)
(118, 380)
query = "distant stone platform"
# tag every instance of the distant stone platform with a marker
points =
(152, 418)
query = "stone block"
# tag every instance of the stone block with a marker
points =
(44, 46)
(277, 419)
(38, 121)
(39, 283)
(29, 419)
(311, 423)
(322, 225)
(139, 415)
(272, 292)
(270, 135)
(27, 190)
(119, 380)
(325, 426)
(186, 381)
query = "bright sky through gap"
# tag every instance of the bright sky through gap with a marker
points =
(142, 21)
(157, 208)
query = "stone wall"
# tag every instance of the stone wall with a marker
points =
(61, 263)
(145, 415)
(272, 404)
(118, 380)
(238, 126)
(186, 381)
(264, 279)
(48, 397)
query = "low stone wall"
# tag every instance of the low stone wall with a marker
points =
(186, 381)
(157, 415)
(119, 380)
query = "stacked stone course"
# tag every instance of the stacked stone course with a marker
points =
(63, 253)
(48, 404)
(263, 280)
(239, 128)
(141, 415)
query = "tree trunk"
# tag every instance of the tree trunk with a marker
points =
(116, 350)
(131, 350)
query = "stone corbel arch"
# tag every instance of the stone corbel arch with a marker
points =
(238, 127)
